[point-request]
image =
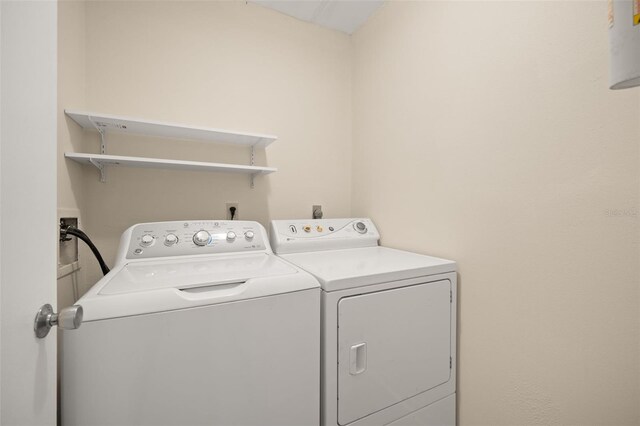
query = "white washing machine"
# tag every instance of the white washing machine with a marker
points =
(197, 324)
(388, 324)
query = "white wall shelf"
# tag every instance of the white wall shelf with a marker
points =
(99, 160)
(120, 124)
(104, 123)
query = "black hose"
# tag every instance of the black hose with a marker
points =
(84, 237)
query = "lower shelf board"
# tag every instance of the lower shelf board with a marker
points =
(100, 160)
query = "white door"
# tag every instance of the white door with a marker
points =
(392, 345)
(28, 62)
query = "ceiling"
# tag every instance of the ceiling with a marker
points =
(342, 15)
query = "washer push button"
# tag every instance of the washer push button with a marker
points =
(360, 227)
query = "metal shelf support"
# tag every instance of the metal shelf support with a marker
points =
(100, 167)
(103, 150)
(252, 163)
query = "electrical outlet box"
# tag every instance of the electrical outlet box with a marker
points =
(68, 253)
(316, 212)
(236, 214)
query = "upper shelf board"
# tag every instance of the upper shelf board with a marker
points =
(95, 121)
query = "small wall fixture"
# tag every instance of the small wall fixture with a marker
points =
(624, 43)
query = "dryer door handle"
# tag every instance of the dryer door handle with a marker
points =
(358, 359)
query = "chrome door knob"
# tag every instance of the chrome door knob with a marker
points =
(68, 318)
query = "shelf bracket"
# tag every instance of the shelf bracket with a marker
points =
(99, 166)
(103, 135)
(103, 150)
(103, 141)
(252, 161)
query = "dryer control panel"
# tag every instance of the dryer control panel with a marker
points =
(184, 238)
(296, 236)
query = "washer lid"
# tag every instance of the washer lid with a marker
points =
(194, 272)
(341, 269)
(146, 287)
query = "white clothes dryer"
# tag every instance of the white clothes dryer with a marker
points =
(197, 324)
(388, 324)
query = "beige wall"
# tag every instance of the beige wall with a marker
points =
(71, 92)
(488, 128)
(228, 65)
(487, 125)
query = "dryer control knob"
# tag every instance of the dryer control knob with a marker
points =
(231, 235)
(249, 235)
(170, 240)
(360, 227)
(201, 238)
(146, 240)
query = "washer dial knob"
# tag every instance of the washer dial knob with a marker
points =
(231, 236)
(170, 240)
(360, 227)
(201, 238)
(249, 235)
(146, 240)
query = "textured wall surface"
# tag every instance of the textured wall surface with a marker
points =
(484, 132)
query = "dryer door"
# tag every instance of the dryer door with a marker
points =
(393, 344)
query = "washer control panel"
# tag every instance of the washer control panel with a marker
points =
(293, 236)
(184, 238)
